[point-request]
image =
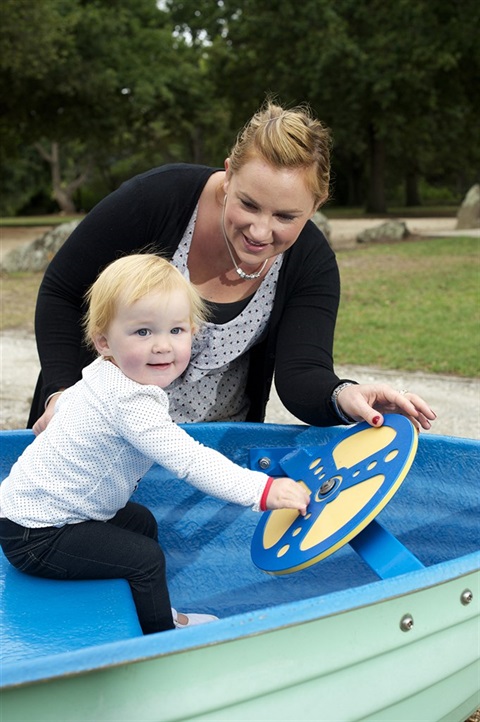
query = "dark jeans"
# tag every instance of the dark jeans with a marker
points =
(125, 547)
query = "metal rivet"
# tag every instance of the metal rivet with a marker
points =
(328, 485)
(264, 462)
(466, 597)
(406, 623)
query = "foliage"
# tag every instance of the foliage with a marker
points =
(24, 182)
(394, 80)
(402, 309)
(117, 86)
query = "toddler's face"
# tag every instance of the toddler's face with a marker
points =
(151, 339)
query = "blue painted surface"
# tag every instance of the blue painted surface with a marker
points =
(435, 514)
(42, 616)
(383, 552)
(316, 465)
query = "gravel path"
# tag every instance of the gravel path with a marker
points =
(455, 401)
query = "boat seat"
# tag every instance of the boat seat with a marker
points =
(40, 617)
(43, 616)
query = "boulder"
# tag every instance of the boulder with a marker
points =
(35, 256)
(389, 232)
(322, 222)
(468, 215)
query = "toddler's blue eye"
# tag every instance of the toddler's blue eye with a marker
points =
(143, 332)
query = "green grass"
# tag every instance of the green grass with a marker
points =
(413, 306)
(343, 213)
(26, 221)
(17, 300)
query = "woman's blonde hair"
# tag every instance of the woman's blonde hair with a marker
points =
(287, 139)
(128, 279)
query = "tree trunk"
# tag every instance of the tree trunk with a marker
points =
(197, 145)
(62, 192)
(412, 193)
(356, 186)
(376, 202)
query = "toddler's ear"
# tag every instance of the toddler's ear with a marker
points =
(101, 344)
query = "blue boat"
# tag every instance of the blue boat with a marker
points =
(332, 642)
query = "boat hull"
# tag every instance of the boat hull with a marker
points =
(354, 665)
(344, 654)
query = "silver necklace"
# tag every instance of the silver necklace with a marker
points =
(241, 273)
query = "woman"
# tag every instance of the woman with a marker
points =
(245, 239)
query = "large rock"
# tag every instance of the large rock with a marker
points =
(388, 232)
(36, 256)
(468, 215)
(322, 222)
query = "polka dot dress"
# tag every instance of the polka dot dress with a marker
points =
(213, 386)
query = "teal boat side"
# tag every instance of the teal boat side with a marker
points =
(356, 664)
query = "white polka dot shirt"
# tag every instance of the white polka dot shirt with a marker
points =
(106, 432)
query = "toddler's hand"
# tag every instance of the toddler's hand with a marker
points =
(288, 494)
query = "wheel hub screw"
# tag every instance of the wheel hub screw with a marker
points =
(328, 485)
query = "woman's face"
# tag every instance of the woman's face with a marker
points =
(265, 210)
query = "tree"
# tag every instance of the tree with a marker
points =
(384, 75)
(115, 83)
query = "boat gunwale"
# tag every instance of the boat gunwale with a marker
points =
(230, 629)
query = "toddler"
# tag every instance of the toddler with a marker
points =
(65, 509)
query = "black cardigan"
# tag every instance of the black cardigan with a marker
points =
(150, 213)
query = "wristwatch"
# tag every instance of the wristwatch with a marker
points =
(334, 398)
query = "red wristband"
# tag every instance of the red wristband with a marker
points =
(263, 500)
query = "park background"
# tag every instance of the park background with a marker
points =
(94, 91)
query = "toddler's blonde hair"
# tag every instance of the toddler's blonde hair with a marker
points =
(130, 278)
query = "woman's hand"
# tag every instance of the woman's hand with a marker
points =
(42, 423)
(288, 494)
(368, 402)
